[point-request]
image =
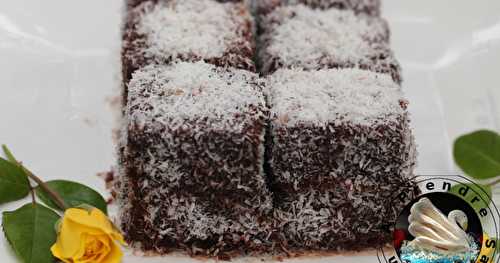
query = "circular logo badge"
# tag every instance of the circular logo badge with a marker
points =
(453, 220)
(438, 227)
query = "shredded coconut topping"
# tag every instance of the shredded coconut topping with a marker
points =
(330, 95)
(202, 28)
(371, 7)
(308, 37)
(172, 94)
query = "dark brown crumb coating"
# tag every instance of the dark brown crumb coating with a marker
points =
(299, 37)
(191, 157)
(353, 215)
(341, 151)
(224, 27)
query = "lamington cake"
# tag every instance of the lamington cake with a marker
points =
(216, 161)
(191, 155)
(217, 32)
(301, 37)
(369, 7)
(340, 148)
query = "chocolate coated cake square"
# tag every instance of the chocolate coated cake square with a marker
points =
(297, 36)
(161, 31)
(340, 147)
(191, 154)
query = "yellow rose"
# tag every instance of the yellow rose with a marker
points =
(87, 236)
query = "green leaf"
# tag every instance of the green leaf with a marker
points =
(9, 154)
(478, 154)
(14, 184)
(74, 194)
(484, 192)
(30, 231)
(13, 160)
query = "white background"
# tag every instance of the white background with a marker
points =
(59, 71)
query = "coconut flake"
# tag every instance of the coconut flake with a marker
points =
(308, 38)
(334, 95)
(172, 94)
(201, 28)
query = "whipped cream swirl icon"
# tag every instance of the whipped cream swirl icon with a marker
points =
(434, 231)
(437, 237)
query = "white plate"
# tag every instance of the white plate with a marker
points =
(59, 69)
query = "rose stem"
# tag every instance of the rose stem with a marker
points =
(494, 182)
(33, 199)
(53, 195)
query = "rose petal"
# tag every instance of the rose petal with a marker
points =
(107, 244)
(80, 229)
(103, 250)
(94, 219)
(69, 240)
(114, 256)
(71, 236)
(99, 221)
(118, 237)
(84, 242)
(57, 252)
